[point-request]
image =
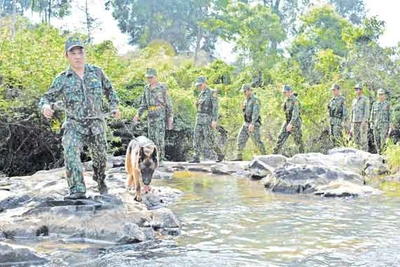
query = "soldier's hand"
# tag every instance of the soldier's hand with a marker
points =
(289, 127)
(214, 125)
(251, 127)
(136, 119)
(48, 112)
(116, 114)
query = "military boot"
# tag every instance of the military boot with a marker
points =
(103, 189)
(74, 196)
(220, 158)
(195, 160)
(238, 158)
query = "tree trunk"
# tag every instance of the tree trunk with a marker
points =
(13, 19)
(198, 43)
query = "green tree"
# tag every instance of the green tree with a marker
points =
(51, 8)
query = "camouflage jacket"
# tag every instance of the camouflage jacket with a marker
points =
(292, 108)
(207, 106)
(83, 98)
(360, 109)
(156, 101)
(380, 114)
(251, 110)
(337, 110)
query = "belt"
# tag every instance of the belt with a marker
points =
(153, 108)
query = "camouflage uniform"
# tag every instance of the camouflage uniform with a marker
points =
(337, 115)
(251, 112)
(380, 120)
(204, 134)
(292, 109)
(158, 104)
(359, 114)
(84, 123)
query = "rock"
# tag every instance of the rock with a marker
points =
(16, 256)
(162, 175)
(345, 189)
(261, 166)
(164, 218)
(298, 178)
(229, 168)
(118, 161)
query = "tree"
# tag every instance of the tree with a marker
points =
(7, 7)
(90, 21)
(51, 8)
(353, 10)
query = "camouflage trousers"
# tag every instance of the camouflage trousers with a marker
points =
(156, 133)
(360, 135)
(284, 134)
(203, 139)
(73, 142)
(255, 136)
(336, 133)
(380, 135)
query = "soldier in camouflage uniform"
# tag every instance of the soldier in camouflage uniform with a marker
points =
(380, 121)
(292, 126)
(252, 123)
(359, 119)
(157, 102)
(337, 115)
(206, 122)
(81, 88)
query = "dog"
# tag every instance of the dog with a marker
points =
(140, 163)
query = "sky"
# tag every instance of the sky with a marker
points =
(387, 10)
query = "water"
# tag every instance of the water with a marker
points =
(234, 222)
(228, 221)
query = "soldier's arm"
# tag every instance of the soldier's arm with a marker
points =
(109, 92)
(295, 112)
(143, 104)
(52, 94)
(366, 114)
(372, 117)
(214, 102)
(168, 102)
(344, 112)
(256, 112)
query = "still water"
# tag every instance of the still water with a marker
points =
(230, 221)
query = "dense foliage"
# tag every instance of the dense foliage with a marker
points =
(326, 47)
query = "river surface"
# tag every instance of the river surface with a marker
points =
(228, 221)
(231, 221)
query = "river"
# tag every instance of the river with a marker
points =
(229, 221)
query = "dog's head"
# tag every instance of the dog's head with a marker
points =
(148, 162)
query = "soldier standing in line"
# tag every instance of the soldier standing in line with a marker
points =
(206, 122)
(158, 104)
(292, 125)
(81, 87)
(337, 115)
(359, 119)
(252, 123)
(380, 121)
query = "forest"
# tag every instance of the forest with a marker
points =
(297, 42)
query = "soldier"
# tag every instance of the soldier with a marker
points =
(359, 119)
(158, 104)
(337, 114)
(252, 123)
(292, 109)
(380, 121)
(81, 87)
(206, 122)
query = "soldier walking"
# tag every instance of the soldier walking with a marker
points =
(359, 119)
(252, 123)
(206, 122)
(292, 125)
(380, 121)
(337, 115)
(158, 104)
(81, 88)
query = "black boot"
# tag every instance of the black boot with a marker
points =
(195, 160)
(220, 158)
(103, 189)
(74, 196)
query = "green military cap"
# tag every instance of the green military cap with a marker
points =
(335, 86)
(245, 87)
(73, 42)
(381, 92)
(358, 86)
(200, 81)
(286, 88)
(150, 72)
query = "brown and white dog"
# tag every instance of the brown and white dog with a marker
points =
(140, 163)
